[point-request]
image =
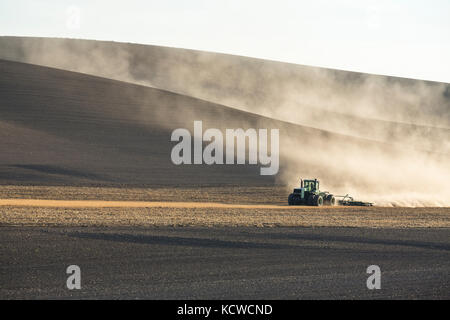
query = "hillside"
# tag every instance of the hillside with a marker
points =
(394, 110)
(105, 127)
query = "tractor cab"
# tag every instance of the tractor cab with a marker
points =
(310, 185)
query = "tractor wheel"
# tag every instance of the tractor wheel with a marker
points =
(318, 201)
(310, 201)
(291, 199)
(330, 200)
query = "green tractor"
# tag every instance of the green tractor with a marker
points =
(309, 194)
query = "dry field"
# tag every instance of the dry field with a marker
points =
(227, 194)
(226, 206)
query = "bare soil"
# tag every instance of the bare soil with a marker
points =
(80, 206)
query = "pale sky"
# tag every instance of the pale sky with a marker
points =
(406, 38)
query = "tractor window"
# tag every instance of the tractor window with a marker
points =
(310, 185)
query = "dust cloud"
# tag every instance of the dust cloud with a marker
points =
(381, 139)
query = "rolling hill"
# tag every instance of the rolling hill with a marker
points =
(89, 120)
